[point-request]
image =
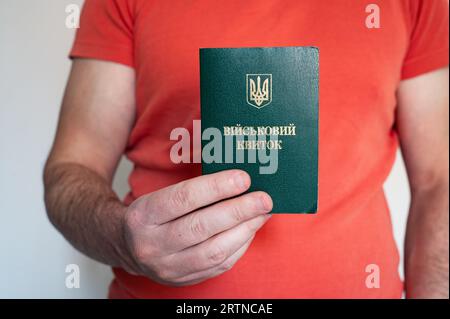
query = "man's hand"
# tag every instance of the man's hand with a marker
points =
(182, 234)
(179, 235)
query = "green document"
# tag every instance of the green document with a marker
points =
(259, 113)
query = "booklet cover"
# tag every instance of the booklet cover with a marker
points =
(259, 113)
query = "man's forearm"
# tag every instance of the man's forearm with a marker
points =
(427, 244)
(83, 207)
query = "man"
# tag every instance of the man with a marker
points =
(135, 77)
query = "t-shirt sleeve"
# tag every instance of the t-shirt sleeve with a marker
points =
(106, 32)
(428, 47)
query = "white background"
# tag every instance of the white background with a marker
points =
(34, 44)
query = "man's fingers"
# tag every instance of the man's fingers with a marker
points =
(177, 200)
(216, 270)
(215, 250)
(197, 227)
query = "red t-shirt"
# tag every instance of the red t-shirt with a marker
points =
(296, 256)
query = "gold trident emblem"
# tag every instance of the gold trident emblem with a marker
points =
(258, 94)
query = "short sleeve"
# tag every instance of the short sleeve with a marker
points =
(106, 32)
(428, 47)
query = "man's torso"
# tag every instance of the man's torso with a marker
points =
(322, 255)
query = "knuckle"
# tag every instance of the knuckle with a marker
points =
(214, 186)
(163, 274)
(140, 253)
(182, 196)
(197, 227)
(161, 269)
(237, 213)
(131, 219)
(140, 242)
(216, 256)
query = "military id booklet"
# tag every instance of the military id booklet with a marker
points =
(259, 113)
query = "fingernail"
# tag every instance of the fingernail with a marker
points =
(241, 181)
(265, 203)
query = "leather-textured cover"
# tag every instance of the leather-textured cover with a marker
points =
(288, 99)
